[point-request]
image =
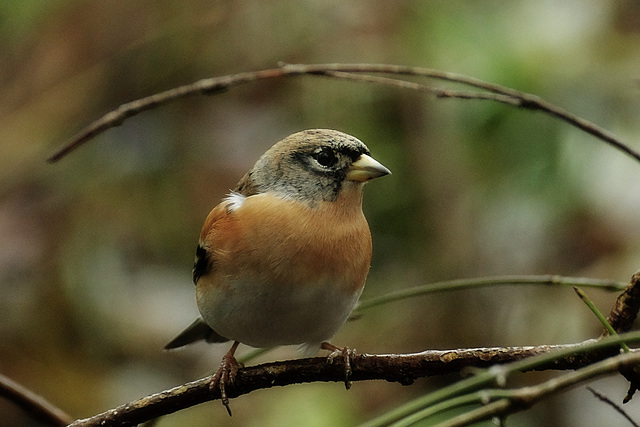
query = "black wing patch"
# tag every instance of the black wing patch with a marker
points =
(202, 264)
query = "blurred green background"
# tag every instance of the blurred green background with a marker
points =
(96, 250)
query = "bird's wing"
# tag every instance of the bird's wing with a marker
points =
(203, 264)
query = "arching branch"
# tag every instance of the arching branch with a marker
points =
(357, 72)
(36, 406)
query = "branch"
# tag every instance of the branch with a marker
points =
(34, 405)
(483, 91)
(462, 391)
(621, 318)
(626, 308)
(404, 369)
(505, 402)
(477, 282)
(608, 401)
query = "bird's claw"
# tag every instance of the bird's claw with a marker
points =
(225, 375)
(347, 355)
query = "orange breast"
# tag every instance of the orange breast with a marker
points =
(283, 241)
(283, 272)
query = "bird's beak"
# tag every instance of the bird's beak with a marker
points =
(365, 169)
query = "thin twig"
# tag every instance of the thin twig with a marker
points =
(488, 91)
(438, 92)
(34, 405)
(476, 282)
(518, 399)
(608, 401)
(607, 326)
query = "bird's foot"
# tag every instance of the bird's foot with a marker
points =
(347, 355)
(225, 375)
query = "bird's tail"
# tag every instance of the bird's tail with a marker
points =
(197, 331)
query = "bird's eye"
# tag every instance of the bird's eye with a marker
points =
(325, 157)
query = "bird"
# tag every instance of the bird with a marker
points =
(283, 259)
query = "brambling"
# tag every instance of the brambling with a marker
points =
(283, 258)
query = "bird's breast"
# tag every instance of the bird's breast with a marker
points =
(282, 241)
(283, 272)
